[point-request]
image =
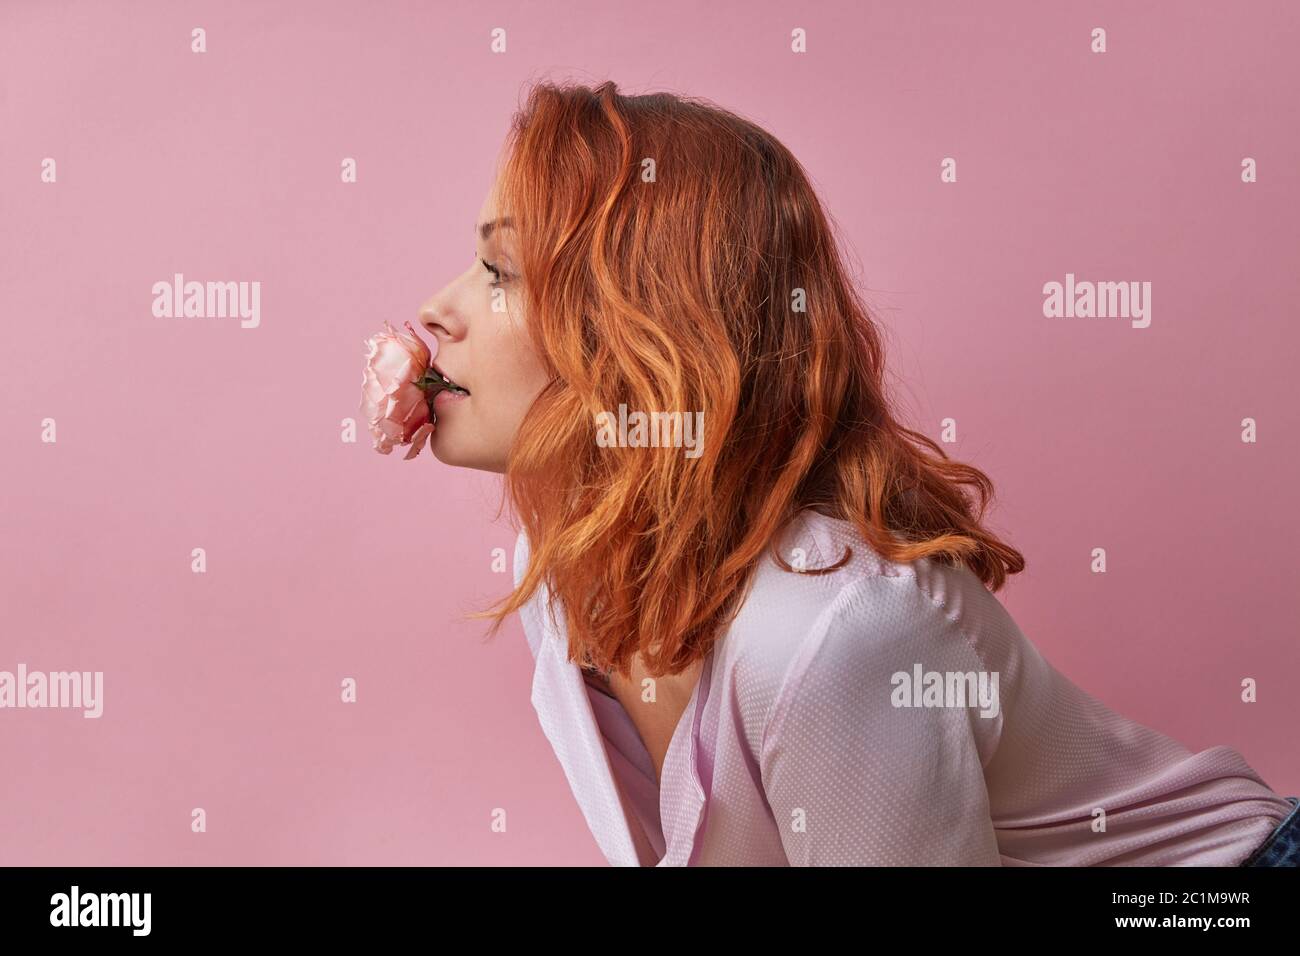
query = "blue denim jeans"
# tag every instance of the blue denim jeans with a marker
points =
(1282, 848)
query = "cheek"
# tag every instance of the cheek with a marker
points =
(513, 355)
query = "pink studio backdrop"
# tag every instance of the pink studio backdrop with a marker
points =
(326, 560)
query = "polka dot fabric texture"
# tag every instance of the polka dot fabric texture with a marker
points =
(886, 715)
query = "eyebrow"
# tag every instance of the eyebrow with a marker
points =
(486, 229)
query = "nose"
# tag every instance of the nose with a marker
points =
(433, 314)
(438, 315)
(443, 313)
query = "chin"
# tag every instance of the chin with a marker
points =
(447, 451)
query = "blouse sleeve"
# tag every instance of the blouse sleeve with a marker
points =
(855, 773)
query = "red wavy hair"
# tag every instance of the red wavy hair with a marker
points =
(678, 291)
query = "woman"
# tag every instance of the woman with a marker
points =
(760, 608)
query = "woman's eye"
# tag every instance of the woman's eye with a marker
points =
(496, 273)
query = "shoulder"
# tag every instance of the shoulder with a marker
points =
(826, 644)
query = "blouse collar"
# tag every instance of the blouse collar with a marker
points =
(560, 697)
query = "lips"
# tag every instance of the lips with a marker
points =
(448, 382)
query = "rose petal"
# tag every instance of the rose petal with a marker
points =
(418, 440)
(421, 353)
(392, 362)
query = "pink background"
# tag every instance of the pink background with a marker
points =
(327, 560)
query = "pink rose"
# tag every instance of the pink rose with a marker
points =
(394, 390)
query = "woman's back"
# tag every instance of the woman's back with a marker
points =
(915, 708)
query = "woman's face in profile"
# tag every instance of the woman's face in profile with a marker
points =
(484, 347)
